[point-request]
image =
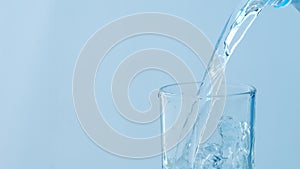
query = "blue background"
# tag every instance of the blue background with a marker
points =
(39, 45)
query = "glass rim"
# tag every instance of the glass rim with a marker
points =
(240, 89)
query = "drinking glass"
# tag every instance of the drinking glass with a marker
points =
(184, 118)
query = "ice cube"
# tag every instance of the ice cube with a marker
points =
(230, 132)
(235, 143)
(209, 156)
(245, 139)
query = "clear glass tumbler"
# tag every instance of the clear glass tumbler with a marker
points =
(184, 117)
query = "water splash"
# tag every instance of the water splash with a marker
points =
(234, 31)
